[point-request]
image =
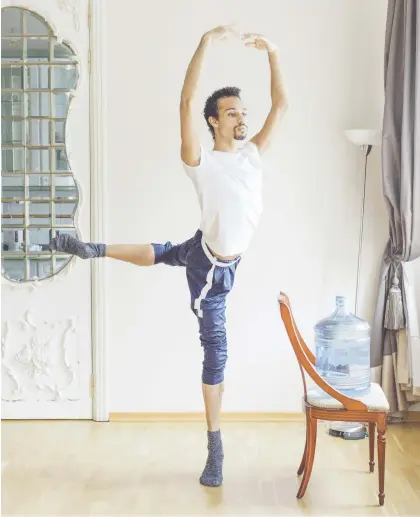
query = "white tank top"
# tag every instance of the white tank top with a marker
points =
(229, 189)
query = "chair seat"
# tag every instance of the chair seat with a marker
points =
(374, 399)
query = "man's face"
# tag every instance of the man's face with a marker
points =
(231, 123)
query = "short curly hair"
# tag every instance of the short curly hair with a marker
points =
(211, 106)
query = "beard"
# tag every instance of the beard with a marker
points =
(240, 132)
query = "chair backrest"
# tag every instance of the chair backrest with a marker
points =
(306, 359)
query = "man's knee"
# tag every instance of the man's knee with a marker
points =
(214, 343)
(167, 254)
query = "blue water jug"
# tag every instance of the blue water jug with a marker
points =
(343, 349)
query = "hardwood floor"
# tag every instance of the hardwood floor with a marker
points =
(87, 468)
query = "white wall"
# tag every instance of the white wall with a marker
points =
(332, 60)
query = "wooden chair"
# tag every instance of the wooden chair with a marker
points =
(371, 408)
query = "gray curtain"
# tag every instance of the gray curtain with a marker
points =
(401, 185)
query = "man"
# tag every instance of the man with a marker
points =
(228, 184)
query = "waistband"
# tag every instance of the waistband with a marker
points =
(214, 260)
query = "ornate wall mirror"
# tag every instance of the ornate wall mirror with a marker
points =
(39, 193)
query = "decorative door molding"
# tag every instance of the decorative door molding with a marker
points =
(98, 195)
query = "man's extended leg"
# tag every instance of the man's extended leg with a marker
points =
(137, 254)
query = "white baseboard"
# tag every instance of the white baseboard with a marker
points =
(200, 417)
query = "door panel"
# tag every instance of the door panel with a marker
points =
(46, 297)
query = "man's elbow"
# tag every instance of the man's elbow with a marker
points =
(280, 105)
(186, 102)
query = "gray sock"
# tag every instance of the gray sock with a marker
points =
(212, 473)
(85, 250)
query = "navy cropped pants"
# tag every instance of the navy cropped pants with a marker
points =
(210, 280)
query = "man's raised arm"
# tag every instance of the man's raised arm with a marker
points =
(278, 94)
(190, 146)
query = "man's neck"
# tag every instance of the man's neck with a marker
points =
(225, 147)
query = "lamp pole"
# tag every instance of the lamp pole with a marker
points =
(365, 139)
(366, 149)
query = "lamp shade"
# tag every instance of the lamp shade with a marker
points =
(364, 136)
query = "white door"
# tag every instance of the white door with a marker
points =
(46, 297)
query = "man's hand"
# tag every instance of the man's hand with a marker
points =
(258, 41)
(222, 32)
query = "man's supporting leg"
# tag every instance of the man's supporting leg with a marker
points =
(213, 471)
(213, 403)
(213, 339)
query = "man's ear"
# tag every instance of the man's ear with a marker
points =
(213, 122)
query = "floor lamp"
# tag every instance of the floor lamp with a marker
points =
(365, 139)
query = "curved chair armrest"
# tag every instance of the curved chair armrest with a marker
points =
(309, 354)
(286, 314)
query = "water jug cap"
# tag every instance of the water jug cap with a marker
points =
(340, 301)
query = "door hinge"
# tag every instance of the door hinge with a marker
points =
(92, 385)
(90, 61)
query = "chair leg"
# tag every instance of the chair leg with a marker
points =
(381, 456)
(303, 462)
(372, 429)
(310, 453)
